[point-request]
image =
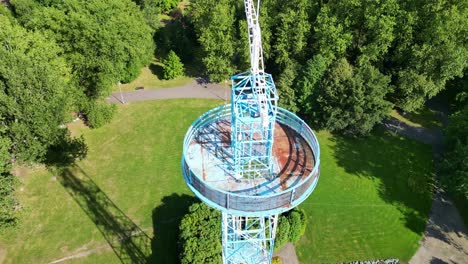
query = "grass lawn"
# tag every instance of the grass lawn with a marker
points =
(151, 78)
(372, 200)
(421, 118)
(128, 195)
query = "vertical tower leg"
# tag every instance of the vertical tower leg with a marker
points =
(248, 240)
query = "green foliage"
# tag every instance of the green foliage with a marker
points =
(409, 49)
(429, 50)
(214, 24)
(200, 235)
(276, 260)
(282, 232)
(34, 94)
(104, 42)
(166, 5)
(8, 217)
(454, 167)
(298, 221)
(352, 100)
(99, 113)
(291, 227)
(173, 67)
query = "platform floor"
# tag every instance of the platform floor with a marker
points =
(209, 157)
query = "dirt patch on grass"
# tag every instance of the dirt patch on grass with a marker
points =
(2, 254)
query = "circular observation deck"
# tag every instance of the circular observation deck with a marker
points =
(207, 165)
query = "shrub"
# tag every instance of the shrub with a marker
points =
(99, 113)
(8, 217)
(276, 260)
(200, 235)
(173, 67)
(282, 233)
(291, 227)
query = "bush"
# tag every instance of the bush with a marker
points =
(283, 232)
(200, 235)
(173, 67)
(291, 227)
(276, 260)
(8, 217)
(99, 113)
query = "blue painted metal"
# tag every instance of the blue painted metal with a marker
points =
(241, 204)
(253, 108)
(249, 216)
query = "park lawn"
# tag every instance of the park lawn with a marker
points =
(372, 200)
(369, 202)
(134, 165)
(151, 78)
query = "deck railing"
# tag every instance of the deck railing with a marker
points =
(250, 204)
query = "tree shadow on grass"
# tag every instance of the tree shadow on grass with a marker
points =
(400, 164)
(166, 220)
(129, 242)
(157, 70)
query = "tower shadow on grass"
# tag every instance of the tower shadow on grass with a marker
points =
(405, 181)
(166, 221)
(128, 241)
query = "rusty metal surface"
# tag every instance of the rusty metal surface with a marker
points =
(209, 156)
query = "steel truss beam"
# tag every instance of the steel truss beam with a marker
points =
(248, 240)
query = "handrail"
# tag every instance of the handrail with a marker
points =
(284, 117)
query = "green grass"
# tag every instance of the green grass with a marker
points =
(421, 118)
(151, 78)
(371, 202)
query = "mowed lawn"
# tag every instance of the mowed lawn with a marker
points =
(125, 200)
(372, 200)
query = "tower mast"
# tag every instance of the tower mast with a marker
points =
(231, 163)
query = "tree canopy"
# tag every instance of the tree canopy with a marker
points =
(401, 53)
(34, 94)
(103, 41)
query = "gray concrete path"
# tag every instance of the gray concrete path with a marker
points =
(195, 89)
(287, 253)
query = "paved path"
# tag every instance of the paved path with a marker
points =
(195, 89)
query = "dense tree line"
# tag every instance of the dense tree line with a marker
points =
(454, 167)
(342, 64)
(200, 233)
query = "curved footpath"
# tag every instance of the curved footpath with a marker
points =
(445, 239)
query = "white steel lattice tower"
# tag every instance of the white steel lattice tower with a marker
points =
(251, 159)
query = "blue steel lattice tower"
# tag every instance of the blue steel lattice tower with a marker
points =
(251, 159)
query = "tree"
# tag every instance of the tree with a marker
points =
(290, 32)
(352, 100)
(173, 67)
(103, 42)
(34, 93)
(430, 50)
(34, 100)
(214, 25)
(454, 167)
